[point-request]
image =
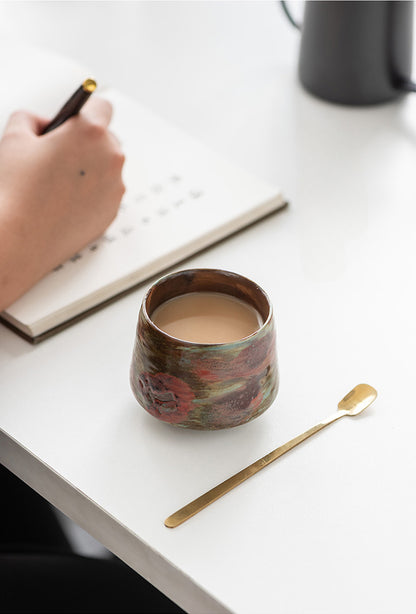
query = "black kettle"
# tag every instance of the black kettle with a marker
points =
(356, 52)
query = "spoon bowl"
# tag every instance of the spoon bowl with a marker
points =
(357, 400)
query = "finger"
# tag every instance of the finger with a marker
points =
(23, 121)
(115, 139)
(98, 111)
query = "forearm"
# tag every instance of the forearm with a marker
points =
(19, 269)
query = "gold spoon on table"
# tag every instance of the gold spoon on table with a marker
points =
(356, 401)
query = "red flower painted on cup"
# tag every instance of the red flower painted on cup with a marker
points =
(255, 359)
(167, 397)
(235, 407)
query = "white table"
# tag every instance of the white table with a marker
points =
(329, 528)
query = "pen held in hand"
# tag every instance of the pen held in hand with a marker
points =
(73, 105)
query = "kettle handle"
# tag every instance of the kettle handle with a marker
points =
(404, 85)
(289, 15)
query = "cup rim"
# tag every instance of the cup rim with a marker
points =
(186, 343)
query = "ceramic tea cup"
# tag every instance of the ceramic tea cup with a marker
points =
(204, 385)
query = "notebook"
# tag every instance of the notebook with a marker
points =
(180, 198)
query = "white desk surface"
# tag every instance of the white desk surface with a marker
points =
(330, 528)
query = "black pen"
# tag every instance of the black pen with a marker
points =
(73, 105)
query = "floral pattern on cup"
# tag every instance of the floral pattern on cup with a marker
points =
(167, 397)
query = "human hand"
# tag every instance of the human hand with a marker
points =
(58, 192)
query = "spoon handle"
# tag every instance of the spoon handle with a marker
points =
(215, 493)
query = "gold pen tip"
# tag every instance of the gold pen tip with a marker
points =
(89, 85)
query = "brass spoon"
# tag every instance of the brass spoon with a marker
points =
(356, 401)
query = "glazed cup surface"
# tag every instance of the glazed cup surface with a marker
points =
(202, 385)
